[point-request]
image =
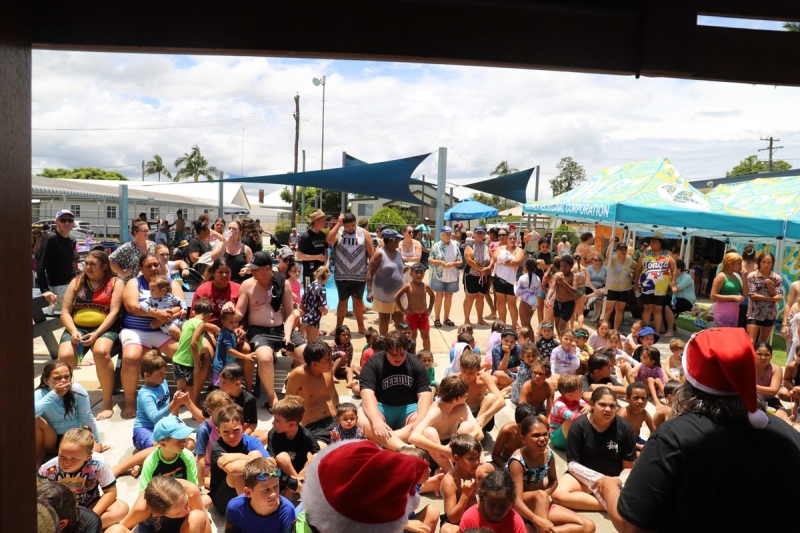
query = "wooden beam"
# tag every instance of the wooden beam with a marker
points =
(17, 462)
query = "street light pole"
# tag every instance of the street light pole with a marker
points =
(319, 82)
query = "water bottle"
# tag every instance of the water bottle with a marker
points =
(674, 302)
(79, 351)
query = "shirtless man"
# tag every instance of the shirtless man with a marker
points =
(418, 311)
(509, 438)
(447, 417)
(635, 412)
(313, 382)
(562, 294)
(484, 399)
(266, 299)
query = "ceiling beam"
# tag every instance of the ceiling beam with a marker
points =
(787, 10)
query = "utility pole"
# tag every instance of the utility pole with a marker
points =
(142, 170)
(303, 193)
(772, 150)
(296, 144)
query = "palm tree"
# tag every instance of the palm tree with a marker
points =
(194, 166)
(792, 26)
(156, 166)
(502, 169)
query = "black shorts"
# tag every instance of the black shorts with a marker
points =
(321, 429)
(259, 336)
(501, 286)
(489, 425)
(564, 310)
(180, 371)
(761, 323)
(473, 284)
(682, 305)
(346, 289)
(618, 296)
(652, 299)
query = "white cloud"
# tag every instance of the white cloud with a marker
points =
(379, 111)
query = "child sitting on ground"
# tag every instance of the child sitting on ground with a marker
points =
(599, 338)
(525, 335)
(162, 299)
(208, 433)
(464, 342)
(428, 516)
(528, 355)
(342, 356)
(505, 359)
(230, 381)
(632, 340)
(509, 438)
(405, 329)
(173, 456)
(187, 359)
(347, 427)
(566, 410)
(533, 469)
(460, 482)
(292, 445)
(426, 358)
(494, 510)
(484, 399)
(547, 342)
(418, 311)
(229, 455)
(565, 359)
(650, 373)
(666, 412)
(585, 351)
(226, 352)
(674, 368)
(647, 338)
(599, 374)
(315, 303)
(260, 507)
(496, 335)
(615, 342)
(375, 344)
(86, 473)
(538, 391)
(636, 413)
(446, 417)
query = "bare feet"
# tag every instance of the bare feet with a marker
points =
(129, 412)
(483, 323)
(88, 360)
(491, 317)
(336, 380)
(466, 324)
(363, 331)
(105, 413)
(350, 385)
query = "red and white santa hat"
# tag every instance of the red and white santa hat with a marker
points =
(722, 362)
(353, 486)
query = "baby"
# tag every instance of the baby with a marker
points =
(162, 299)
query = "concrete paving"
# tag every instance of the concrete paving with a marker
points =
(118, 432)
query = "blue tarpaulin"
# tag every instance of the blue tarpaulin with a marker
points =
(388, 179)
(469, 209)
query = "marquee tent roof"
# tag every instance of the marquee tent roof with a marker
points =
(653, 194)
(774, 197)
(388, 179)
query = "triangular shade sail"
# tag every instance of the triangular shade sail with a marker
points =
(774, 197)
(388, 179)
(651, 194)
(469, 209)
(511, 186)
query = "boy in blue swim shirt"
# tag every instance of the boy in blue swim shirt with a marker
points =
(260, 507)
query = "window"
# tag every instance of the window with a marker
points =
(206, 211)
(154, 213)
(111, 211)
(76, 209)
(365, 210)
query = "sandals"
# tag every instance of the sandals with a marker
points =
(437, 323)
(449, 322)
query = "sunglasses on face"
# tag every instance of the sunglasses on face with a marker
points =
(67, 220)
(502, 234)
(263, 476)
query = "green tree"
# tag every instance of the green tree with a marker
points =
(331, 200)
(82, 173)
(156, 166)
(792, 26)
(498, 202)
(194, 166)
(570, 175)
(502, 169)
(388, 216)
(572, 236)
(409, 216)
(751, 165)
(282, 230)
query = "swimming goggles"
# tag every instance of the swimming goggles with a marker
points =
(547, 325)
(263, 476)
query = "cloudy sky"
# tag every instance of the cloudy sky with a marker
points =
(115, 110)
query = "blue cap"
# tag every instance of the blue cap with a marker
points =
(390, 234)
(480, 229)
(171, 427)
(446, 229)
(649, 331)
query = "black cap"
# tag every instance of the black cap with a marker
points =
(260, 259)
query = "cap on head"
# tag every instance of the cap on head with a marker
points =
(260, 259)
(65, 212)
(171, 427)
(389, 234)
(446, 229)
(622, 246)
(479, 229)
(286, 252)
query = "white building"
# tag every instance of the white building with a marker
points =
(367, 207)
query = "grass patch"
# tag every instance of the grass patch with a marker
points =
(778, 342)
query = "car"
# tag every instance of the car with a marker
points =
(79, 225)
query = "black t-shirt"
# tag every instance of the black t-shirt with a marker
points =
(312, 243)
(250, 407)
(602, 452)
(196, 245)
(694, 475)
(395, 385)
(221, 493)
(54, 264)
(586, 382)
(254, 246)
(297, 448)
(547, 258)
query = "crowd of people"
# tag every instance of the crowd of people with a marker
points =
(361, 466)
